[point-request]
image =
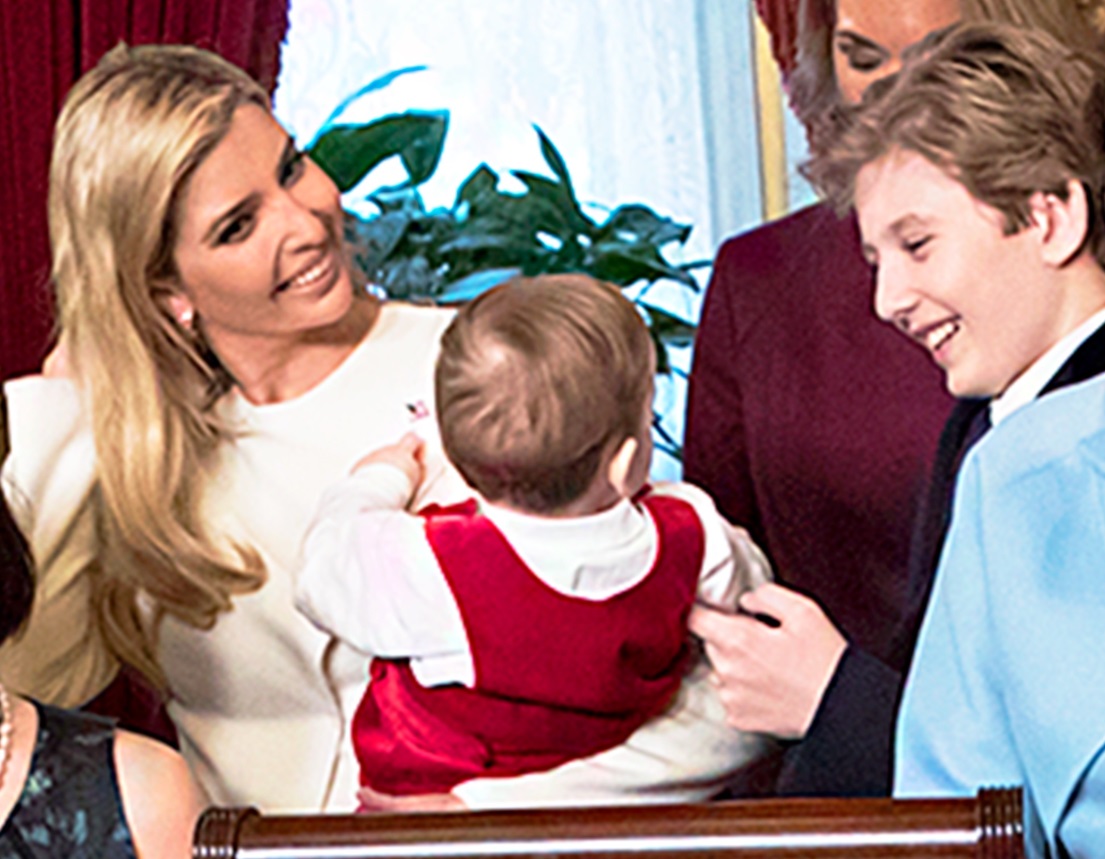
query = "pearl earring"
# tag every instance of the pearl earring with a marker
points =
(186, 317)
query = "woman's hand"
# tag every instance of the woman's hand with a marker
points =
(771, 678)
(371, 801)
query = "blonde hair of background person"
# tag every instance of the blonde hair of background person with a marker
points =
(814, 82)
(148, 382)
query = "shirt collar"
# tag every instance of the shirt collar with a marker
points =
(1028, 385)
(596, 531)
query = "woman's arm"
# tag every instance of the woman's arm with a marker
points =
(687, 754)
(161, 801)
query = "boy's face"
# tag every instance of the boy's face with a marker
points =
(948, 277)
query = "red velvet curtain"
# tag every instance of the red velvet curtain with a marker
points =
(45, 45)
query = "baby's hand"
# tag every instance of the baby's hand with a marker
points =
(405, 454)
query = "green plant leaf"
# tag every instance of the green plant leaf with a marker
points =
(663, 364)
(642, 224)
(349, 152)
(553, 158)
(468, 242)
(556, 163)
(625, 264)
(406, 200)
(670, 329)
(411, 277)
(475, 284)
(481, 184)
(375, 239)
(571, 220)
(373, 85)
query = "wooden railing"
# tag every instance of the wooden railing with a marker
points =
(986, 827)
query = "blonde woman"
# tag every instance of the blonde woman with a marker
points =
(220, 368)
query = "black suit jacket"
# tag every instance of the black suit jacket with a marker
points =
(848, 750)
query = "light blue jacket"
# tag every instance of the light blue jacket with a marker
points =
(1008, 682)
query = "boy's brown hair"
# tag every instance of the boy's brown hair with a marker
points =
(537, 380)
(1006, 111)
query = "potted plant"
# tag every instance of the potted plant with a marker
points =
(452, 254)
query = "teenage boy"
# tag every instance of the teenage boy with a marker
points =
(977, 176)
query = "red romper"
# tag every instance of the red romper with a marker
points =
(557, 677)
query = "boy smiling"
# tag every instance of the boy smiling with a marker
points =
(977, 176)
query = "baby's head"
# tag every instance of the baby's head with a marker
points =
(544, 393)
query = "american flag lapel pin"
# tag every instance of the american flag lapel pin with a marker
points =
(418, 410)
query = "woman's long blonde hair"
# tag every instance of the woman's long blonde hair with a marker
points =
(132, 132)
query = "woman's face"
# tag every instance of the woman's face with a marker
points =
(870, 36)
(258, 250)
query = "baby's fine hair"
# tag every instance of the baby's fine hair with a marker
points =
(537, 381)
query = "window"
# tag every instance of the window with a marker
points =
(649, 101)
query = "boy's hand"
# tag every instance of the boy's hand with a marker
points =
(406, 455)
(773, 661)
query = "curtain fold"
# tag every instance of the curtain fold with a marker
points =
(45, 45)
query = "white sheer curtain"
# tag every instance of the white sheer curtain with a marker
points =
(648, 101)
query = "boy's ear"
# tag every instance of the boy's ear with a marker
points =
(617, 472)
(1063, 224)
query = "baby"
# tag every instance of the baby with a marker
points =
(544, 619)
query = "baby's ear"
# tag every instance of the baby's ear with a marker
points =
(1063, 224)
(621, 463)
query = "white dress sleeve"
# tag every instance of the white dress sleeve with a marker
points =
(60, 657)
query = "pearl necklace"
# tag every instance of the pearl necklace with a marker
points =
(5, 731)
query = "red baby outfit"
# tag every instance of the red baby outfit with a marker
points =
(557, 677)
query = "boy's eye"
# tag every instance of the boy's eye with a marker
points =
(916, 245)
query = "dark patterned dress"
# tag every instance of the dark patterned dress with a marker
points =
(70, 805)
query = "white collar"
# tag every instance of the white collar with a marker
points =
(589, 532)
(1028, 385)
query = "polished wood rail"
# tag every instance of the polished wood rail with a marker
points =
(986, 827)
